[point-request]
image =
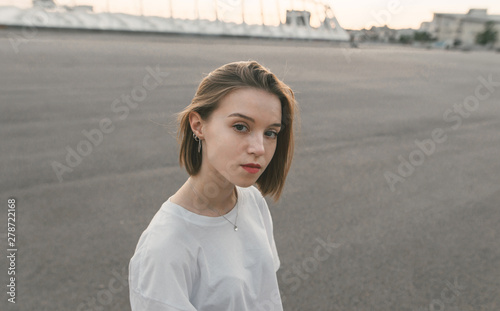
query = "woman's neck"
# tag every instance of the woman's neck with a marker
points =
(206, 195)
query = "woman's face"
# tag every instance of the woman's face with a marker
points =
(239, 138)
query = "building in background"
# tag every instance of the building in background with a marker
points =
(461, 30)
(298, 18)
(52, 5)
(383, 34)
(46, 4)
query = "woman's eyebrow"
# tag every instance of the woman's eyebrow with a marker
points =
(249, 118)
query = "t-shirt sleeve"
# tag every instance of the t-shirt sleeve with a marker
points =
(160, 279)
(268, 223)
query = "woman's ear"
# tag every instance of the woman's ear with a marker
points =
(196, 123)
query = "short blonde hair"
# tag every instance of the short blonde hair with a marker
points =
(219, 83)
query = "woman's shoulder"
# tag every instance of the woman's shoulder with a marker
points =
(255, 197)
(166, 232)
(253, 192)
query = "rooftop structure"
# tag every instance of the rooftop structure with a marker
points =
(461, 29)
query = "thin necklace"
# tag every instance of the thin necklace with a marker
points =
(235, 206)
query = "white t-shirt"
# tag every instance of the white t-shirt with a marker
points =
(185, 261)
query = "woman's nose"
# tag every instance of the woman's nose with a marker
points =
(256, 145)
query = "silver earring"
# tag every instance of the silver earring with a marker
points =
(199, 142)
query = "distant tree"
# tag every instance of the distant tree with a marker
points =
(489, 35)
(405, 39)
(422, 36)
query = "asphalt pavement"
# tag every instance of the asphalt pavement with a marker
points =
(392, 202)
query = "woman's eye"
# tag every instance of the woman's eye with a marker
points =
(272, 134)
(240, 127)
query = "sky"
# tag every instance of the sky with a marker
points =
(402, 13)
(351, 14)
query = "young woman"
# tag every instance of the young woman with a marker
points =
(210, 247)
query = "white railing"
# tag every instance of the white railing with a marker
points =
(211, 17)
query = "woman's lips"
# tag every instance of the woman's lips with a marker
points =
(252, 169)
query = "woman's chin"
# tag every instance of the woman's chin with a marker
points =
(245, 183)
